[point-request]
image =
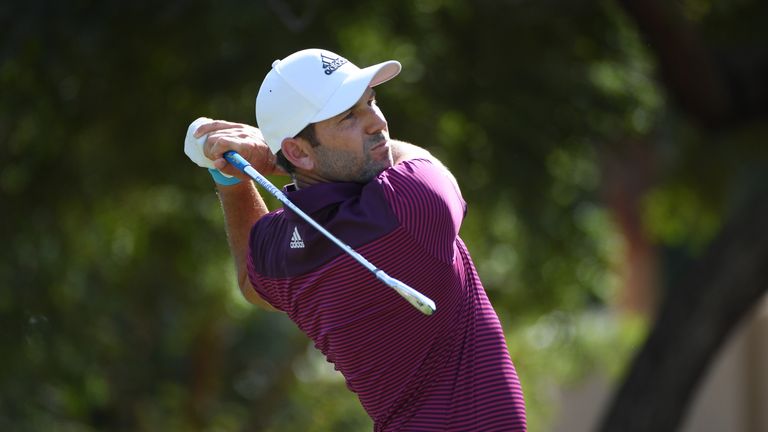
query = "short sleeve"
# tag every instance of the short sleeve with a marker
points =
(272, 292)
(427, 203)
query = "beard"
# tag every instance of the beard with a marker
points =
(350, 166)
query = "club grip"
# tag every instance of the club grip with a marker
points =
(236, 160)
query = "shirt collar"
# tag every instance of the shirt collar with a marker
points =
(318, 196)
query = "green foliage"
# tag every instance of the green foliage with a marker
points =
(118, 306)
(557, 350)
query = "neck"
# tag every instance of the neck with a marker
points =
(304, 179)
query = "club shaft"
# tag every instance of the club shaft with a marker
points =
(417, 299)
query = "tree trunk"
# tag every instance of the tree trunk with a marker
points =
(628, 170)
(694, 320)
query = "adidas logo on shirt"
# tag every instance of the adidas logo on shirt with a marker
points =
(296, 241)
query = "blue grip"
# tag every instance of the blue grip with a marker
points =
(235, 159)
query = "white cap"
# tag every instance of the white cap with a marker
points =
(309, 86)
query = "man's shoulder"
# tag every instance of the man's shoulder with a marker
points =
(268, 224)
(418, 174)
(415, 164)
(411, 171)
(273, 216)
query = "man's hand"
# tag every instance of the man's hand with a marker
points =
(247, 140)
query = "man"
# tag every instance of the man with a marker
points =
(395, 204)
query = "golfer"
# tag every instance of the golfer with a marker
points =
(393, 203)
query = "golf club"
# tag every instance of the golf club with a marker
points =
(417, 299)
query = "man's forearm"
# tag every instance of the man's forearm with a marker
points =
(243, 206)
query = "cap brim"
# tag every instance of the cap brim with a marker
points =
(354, 86)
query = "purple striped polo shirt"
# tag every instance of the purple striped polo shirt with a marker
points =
(447, 372)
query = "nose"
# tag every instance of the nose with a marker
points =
(376, 122)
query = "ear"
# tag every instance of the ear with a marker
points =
(295, 150)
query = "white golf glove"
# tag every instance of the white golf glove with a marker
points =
(193, 147)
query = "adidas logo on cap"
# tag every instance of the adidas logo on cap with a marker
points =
(330, 64)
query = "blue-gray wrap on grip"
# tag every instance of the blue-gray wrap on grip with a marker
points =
(219, 178)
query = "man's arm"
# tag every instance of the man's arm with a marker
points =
(426, 199)
(241, 202)
(403, 151)
(243, 206)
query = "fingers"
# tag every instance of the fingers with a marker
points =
(217, 144)
(217, 125)
(248, 141)
(220, 163)
(228, 169)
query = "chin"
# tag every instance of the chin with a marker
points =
(372, 171)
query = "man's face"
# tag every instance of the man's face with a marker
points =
(354, 145)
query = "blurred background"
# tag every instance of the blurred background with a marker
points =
(614, 155)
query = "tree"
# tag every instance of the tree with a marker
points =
(717, 81)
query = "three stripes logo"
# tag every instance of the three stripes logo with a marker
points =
(330, 64)
(296, 241)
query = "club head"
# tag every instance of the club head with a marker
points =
(415, 298)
